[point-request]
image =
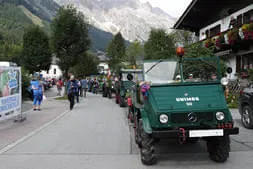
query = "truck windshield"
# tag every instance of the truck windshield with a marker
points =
(201, 70)
(194, 70)
(163, 73)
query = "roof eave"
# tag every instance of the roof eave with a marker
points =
(188, 9)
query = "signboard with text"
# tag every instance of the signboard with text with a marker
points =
(10, 92)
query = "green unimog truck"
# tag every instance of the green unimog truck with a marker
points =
(123, 87)
(182, 99)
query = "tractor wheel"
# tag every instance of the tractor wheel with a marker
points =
(147, 147)
(116, 99)
(137, 131)
(218, 148)
(109, 94)
(122, 101)
(130, 114)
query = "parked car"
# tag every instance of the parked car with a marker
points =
(246, 106)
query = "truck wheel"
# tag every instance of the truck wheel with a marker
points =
(104, 93)
(218, 148)
(137, 131)
(109, 94)
(130, 114)
(247, 117)
(116, 99)
(147, 147)
(121, 101)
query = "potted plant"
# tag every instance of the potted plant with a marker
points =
(220, 41)
(233, 36)
(208, 43)
(247, 30)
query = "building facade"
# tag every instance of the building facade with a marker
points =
(53, 72)
(226, 27)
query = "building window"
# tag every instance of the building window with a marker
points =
(215, 30)
(239, 20)
(248, 16)
(54, 71)
(207, 34)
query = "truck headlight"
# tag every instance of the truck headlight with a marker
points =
(224, 81)
(163, 118)
(220, 116)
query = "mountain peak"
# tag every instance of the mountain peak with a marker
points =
(127, 16)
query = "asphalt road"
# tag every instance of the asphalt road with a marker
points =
(96, 135)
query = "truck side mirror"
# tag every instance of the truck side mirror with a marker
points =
(130, 77)
(229, 70)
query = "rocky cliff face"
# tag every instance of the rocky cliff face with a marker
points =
(131, 17)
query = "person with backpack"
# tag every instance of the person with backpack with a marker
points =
(95, 86)
(72, 89)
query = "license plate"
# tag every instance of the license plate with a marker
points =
(206, 133)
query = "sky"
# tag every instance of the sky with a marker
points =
(174, 8)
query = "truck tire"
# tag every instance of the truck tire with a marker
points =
(116, 99)
(247, 117)
(147, 147)
(136, 131)
(218, 148)
(122, 101)
(109, 94)
(104, 92)
(130, 114)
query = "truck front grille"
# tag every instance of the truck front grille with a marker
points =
(184, 117)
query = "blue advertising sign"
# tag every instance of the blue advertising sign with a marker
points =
(10, 92)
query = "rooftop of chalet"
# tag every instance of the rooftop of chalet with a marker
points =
(201, 13)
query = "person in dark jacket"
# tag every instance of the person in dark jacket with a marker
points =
(72, 90)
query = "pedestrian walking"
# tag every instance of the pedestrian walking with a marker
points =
(59, 85)
(84, 85)
(95, 86)
(72, 89)
(78, 90)
(38, 90)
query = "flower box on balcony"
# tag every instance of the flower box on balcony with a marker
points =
(220, 41)
(208, 43)
(233, 36)
(248, 31)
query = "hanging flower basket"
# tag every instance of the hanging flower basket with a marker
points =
(220, 41)
(247, 30)
(208, 43)
(233, 36)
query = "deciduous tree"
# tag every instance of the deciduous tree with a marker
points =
(70, 39)
(159, 45)
(116, 50)
(134, 50)
(36, 55)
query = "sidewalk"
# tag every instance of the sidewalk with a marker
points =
(51, 108)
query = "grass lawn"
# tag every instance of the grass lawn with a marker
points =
(62, 98)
